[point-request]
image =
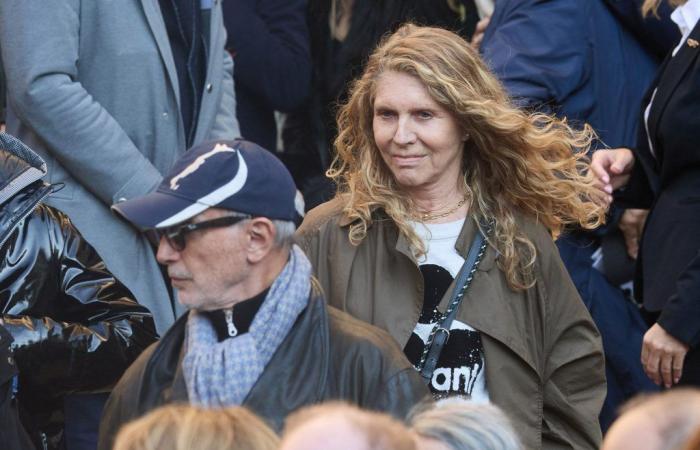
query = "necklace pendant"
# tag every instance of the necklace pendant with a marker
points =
(426, 216)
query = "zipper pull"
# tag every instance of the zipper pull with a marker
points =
(232, 331)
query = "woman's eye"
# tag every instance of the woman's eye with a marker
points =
(425, 114)
(384, 114)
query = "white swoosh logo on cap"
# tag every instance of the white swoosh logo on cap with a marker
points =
(197, 163)
(212, 199)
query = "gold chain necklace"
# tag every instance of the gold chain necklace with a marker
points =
(430, 216)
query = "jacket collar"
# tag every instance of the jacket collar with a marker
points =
(686, 16)
(154, 17)
(296, 375)
(20, 187)
(19, 167)
(672, 75)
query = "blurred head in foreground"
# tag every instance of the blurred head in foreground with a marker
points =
(338, 426)
(456, 424)
(182, 427)
(662, 421)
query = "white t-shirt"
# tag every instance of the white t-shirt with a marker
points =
(460, 369)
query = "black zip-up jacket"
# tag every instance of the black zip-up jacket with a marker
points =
(327, 355)
(74, 327)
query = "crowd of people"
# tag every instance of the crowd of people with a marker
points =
(351, 224)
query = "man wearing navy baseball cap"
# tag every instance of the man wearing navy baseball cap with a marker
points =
(258, 332)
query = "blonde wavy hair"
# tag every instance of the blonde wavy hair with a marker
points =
(533, 164)
(184, 427)
(652, 6)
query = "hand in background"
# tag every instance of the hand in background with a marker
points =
(662, 356)
(631, 224)
(479, 32)
(612, 167)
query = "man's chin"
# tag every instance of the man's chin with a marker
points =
(185, 300)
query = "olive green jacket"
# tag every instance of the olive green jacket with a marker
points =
(543, 354)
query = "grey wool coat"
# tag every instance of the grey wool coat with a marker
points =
(92, 87)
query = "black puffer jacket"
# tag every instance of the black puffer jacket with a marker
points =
(74, 327)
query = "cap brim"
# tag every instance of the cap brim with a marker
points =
(157, 210)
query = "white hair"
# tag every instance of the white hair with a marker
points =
(284, 232)
(466, 425)
(284, 229)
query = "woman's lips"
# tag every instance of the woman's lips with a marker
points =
(407, 160)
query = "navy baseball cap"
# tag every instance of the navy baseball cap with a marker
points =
(236, 175)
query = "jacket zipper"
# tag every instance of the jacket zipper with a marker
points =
(232, 331)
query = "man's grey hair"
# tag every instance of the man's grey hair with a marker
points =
(284, 233)
(465, 425)
(284, 230)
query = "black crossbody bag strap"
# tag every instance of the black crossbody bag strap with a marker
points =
(464, 278)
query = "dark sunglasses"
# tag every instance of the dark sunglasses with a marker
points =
(176, 235)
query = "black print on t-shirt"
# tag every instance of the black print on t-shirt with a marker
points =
(461, 360)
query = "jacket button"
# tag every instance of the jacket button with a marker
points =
(121, 199)
(209, 87)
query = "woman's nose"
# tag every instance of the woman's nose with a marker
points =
(404, 133)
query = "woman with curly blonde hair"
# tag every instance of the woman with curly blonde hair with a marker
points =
(431, 156)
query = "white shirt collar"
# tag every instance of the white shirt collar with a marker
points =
(484, 8)
(686, 16)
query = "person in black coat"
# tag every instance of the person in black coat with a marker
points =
(73, 327)
(658, 34)
(573, 70)
(343, 34)
(663, 173)
(269, 42)
(12, 434)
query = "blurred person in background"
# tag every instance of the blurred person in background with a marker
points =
(343, 34)
(269, 43)
(184, 427)
(694, 441)
(339, 426)
(565, 57)
(3, 97)
(111, 104)
(110, 94)
(442, 227)
(12, 434)
(662, 172)
(656, 32)
(664, 421)
(456, 424)
(70, 326)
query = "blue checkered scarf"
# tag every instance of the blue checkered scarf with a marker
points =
(220, 374)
